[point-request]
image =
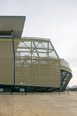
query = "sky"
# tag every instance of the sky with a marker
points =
(52, 19)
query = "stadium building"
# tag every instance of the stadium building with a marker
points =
(29, 64)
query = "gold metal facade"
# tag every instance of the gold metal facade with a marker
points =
(6, 61)
(36, 62)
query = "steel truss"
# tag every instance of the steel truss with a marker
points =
(65, 78)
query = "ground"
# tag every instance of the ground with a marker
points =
(42, 104)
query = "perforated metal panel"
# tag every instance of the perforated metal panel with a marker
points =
(6, 61)
(36, 63)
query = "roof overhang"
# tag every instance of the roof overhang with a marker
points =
(9, 24)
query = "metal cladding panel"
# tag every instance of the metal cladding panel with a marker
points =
(6, 61)
(66, 68)
(65, 65)
(35, 65)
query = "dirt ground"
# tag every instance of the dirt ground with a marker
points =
(45, 104)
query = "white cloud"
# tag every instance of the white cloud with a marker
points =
(54, 19)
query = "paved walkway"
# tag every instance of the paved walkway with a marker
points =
(38, 105)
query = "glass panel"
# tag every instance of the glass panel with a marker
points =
(52, 54)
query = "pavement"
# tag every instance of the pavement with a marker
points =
(42, 104)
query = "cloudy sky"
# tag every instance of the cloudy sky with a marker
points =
(54, 19)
